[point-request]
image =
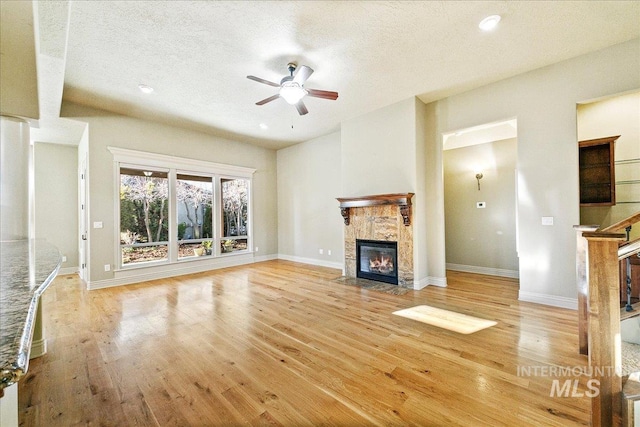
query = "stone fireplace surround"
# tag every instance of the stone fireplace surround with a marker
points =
(384, 217)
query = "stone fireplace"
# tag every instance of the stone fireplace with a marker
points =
(382, 219)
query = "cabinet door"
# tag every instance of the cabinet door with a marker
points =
(597, 172)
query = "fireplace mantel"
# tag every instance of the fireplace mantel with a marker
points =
(403, 200)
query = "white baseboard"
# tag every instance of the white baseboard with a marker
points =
(484, 270)
(417, 284)
(127, 277)
(433, 281)
(68, 270)
(262, 258)
(38, 348)
(312, 261)
(552, 300)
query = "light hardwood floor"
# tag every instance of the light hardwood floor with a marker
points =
(281, 343)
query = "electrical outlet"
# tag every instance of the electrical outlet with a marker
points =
(329, 252)
(97, 224)
(107, 267)
(547, 220)
(321, 251)
(256, 249)
(64, 258)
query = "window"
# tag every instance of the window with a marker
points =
(194, 195)
(235, 209)
(173, 209)
(143, 216)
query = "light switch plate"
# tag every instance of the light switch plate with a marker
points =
(97, 224)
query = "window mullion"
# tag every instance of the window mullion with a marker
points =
(217, 215)
(173, 215)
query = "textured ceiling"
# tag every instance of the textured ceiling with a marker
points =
(196, 55)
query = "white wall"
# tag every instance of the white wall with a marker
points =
(544, 102)
(429, 167)
(15, 179)
(618, 115)
(390, 151)
(18, 73)
(421, 254)
(481, 240)
(9, 407)
(379, 151)
(309, 181)
(107, 129)
(376, 153)
(56, 194)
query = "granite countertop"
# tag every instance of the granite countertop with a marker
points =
(27, 267)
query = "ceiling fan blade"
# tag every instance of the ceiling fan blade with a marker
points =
(259, 80)
(325, 94)
(302, 74)
(269, 99)
(302, 109)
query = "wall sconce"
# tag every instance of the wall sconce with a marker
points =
(478, 178)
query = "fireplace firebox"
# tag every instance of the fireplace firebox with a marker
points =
(377, 260)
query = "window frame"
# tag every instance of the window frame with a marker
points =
(213, 178)
(175, 166)
(248, 226)
(167, 243)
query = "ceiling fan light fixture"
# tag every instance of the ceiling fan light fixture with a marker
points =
(292, 92)
(291, 88)
(489, 23)
(145, 88)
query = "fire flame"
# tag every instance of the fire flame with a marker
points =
(381, 265)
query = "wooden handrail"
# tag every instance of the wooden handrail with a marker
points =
(629, 249)
(603, 235)
(621, 225)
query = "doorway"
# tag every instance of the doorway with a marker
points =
(480, 199)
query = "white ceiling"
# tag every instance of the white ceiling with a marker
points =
(196, 55)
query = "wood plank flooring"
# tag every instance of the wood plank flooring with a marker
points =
(282, 344)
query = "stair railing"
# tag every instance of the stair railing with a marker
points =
(603, 276)
(598, 276)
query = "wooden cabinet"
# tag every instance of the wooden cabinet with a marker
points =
(597, 172)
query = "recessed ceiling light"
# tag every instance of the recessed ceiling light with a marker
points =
(489, 23)
(264, 126)
(145, 88)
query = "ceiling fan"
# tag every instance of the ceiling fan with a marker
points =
(292, 88)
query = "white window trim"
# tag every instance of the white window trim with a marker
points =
(175, 165)
(125, 155)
